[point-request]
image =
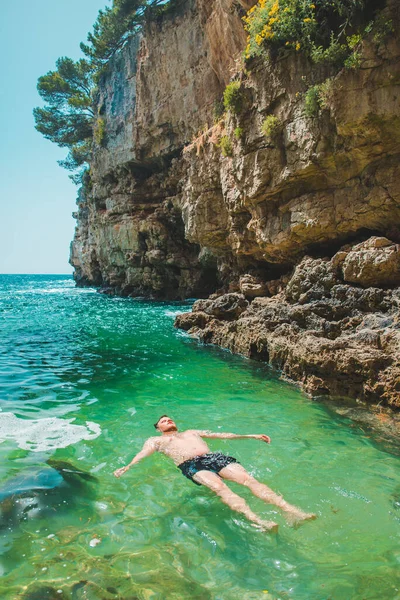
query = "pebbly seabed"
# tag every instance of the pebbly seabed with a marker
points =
(83, 378)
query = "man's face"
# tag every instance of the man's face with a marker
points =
(166, 424)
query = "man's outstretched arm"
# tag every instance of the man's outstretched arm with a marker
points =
(149, 448)
(234, 436)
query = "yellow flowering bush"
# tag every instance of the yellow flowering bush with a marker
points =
(288, 23)
(317, 27)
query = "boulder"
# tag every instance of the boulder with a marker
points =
(313, 278)
(373, 263)
(225, 307)
(252, 287)
(189, 320)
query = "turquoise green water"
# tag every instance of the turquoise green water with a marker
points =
(84, 376)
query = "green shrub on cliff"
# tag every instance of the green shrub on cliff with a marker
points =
(271, 126)
(218, 110)
(318, 96)
(311, 101)
(233, 97)
(335, 53)
(382, 27)
(284, 23)
(226, 146)
(353, 61)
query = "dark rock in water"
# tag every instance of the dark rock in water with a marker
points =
(69, 472)
(36, 494)
(44, 593)
(107, 291)
(77, 587)
(43, 479)
(395, 499)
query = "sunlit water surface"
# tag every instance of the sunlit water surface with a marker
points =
(83, 378)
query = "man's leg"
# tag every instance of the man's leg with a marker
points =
(238, 474)
(235, 502)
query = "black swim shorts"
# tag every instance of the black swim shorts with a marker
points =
(213, 461)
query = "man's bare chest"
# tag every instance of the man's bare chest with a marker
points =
(178, 442)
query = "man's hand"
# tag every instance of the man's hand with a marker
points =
(263, 438)
(150, 446)
(120, 471)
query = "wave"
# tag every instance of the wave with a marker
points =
(68, 289)
(175, 313)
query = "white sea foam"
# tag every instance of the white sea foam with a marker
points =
(40, 435)
(65, 290)
(175, 313)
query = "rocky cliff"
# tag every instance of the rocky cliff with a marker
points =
(155, 97)
(299, 225)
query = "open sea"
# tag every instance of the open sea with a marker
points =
(83, 376)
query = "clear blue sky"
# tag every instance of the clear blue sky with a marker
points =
(36, 196)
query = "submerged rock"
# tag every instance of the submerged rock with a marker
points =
(44, 592)
(69, 472)
(37, 493)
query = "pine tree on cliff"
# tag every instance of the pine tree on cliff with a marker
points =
(115, 25)
(67, 119)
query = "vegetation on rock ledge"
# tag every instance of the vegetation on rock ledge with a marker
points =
(271, 126)
(226, 146)
(325, 31)
(233, 97)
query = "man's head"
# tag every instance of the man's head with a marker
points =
(165, 424)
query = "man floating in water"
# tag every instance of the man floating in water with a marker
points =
(193, 457)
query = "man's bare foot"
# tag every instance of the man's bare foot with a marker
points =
(268, 526)
(297, 518)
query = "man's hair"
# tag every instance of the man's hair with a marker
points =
(156, 424)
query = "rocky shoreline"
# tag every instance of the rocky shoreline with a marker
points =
(328, 325)
(297, 227)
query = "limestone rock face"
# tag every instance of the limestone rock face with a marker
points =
(138, 248)
(160, 90)
(311, 280)
(156, 94)
(322, 182)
